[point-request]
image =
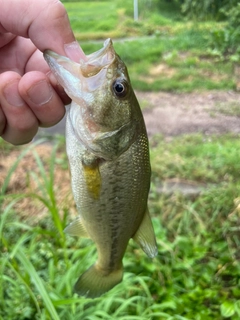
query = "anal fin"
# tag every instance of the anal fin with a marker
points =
(76, 228)
(145, 236)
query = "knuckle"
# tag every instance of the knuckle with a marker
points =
(58, 11)
(25, 128)
(17, 141)
(19, 135)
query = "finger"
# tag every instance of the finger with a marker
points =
(16, 55)
(21, 123)
(5, 38)
(59, 89)
(45, 22)
(36, 62)
(40, 96)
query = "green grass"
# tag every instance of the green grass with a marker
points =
(195, 276)
(160, 37)
(92, 16)
(201, 158)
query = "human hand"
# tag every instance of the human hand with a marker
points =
(29, 94)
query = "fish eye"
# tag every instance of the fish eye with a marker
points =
(120, 88)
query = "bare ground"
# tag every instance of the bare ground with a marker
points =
(209, 112)
(171, 114)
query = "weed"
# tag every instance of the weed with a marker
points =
(195, 275)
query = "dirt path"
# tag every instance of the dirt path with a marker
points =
(171, 114)
(209, 112)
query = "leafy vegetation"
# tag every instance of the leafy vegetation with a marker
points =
(206, 9)
(224, 40)
(196, 274)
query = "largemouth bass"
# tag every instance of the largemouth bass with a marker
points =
(108, 152)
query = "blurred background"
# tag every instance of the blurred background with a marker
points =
(183, 57)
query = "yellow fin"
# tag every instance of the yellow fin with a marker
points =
(94, 282)
(145, 236)
(93, 180)
(76, 228)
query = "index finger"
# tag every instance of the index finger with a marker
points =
(45, 22)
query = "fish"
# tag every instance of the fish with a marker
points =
(108, 152)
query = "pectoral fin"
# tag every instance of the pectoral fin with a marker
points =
(145, 236)
(93, 181)
(76, 228)
(92, 175)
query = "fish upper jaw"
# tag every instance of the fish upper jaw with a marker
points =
(98, 60)
(79, 80)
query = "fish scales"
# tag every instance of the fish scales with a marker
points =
(108, 152)
(124, 191)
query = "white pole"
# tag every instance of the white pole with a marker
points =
(135, 4)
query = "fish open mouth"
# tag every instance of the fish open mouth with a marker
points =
(86, 75)
(98, 60)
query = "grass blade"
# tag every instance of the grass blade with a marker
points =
(15, 164)
(38, 283)
(26, 286)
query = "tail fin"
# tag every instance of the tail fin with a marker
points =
(93, 283)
